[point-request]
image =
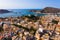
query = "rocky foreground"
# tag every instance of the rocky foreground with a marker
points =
(30, 28)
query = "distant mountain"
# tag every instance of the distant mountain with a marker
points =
(4, 11)
(48, 10)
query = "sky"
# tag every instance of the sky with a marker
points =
(28, 4)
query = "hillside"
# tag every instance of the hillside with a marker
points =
(4, 11)
(47, 10)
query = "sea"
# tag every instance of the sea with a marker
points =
(19, 12)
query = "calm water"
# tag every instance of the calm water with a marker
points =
(19, 12)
